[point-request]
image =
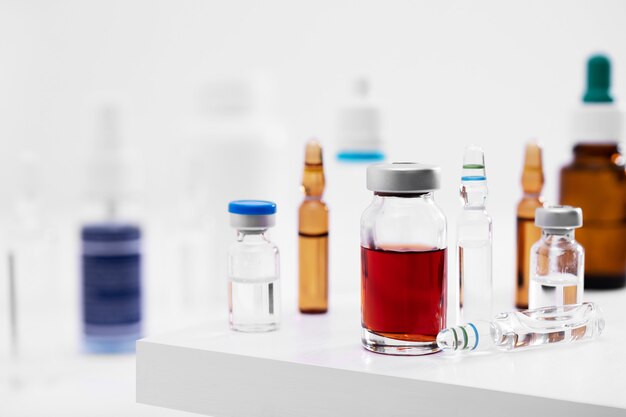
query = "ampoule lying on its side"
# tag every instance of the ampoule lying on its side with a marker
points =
(523, 329)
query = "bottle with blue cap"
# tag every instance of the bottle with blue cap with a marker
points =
(594, 180)
(474, 240)
(253, 268)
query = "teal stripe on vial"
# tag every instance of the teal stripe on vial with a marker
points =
(476, 333)
(473, 178)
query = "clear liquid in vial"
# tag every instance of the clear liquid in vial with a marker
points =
(254, 304)
(556, 289)
(475, 280)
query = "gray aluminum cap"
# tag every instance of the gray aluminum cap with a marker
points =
(251, 222)
(403, 177)
(559, 217)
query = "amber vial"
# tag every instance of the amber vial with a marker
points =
(313, 235)
(527, 232)
(596, 182)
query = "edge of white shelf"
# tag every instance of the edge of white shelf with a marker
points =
(314, 366)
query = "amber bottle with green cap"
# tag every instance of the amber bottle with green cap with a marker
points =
(596, 180)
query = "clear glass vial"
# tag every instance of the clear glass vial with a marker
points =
(557, 260)
(403, 260)
(253, 268)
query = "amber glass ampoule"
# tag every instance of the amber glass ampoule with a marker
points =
(527, 232)
(313, 235)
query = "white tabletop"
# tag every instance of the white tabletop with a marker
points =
(300, 370)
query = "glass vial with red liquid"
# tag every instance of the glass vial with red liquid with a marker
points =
(403, 260)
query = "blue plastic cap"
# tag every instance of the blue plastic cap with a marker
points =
(252, 207)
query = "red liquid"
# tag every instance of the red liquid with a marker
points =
(403, 294)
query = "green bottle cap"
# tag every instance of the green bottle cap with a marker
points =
(598, 80)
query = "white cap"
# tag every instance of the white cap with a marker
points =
(359, 123)
(597, 122)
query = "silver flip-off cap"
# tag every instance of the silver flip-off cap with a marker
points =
(559, 217)
(403, 177)
(247, 221)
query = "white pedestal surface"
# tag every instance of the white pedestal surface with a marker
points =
(315, 366)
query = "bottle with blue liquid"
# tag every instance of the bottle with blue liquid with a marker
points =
(111, 255)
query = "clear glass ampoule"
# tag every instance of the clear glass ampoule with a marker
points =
(474, 241)
(523, 329)
(313, 235)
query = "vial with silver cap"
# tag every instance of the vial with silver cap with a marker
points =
(403, 260)
(253, 268)
(557, 260)
(474, 240)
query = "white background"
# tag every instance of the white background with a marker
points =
(446, 74)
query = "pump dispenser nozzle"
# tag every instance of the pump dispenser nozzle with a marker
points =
(110, 179)
(598, 80)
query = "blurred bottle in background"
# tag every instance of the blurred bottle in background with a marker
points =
(596, 180)
(358, 143)
(527, 232)
(30, 262)
(111, 239)
(235, 150)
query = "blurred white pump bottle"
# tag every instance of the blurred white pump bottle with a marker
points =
(358, 143)
(113, 182)
(30, 258)
(111, 261)
(234, 151)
